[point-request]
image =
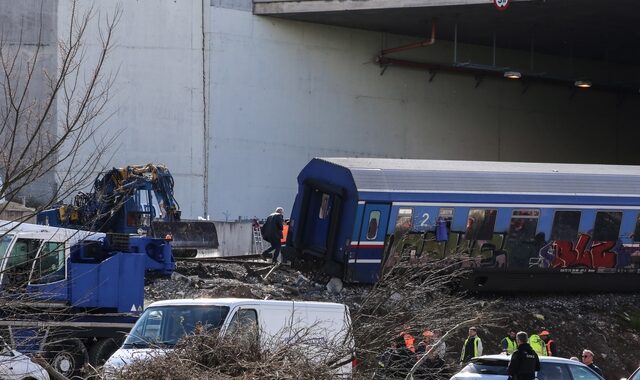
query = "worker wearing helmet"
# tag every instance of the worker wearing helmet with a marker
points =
(552, 350)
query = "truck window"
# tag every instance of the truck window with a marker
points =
(165, 325)
(19, 263)
(50, 264)
(4, 245)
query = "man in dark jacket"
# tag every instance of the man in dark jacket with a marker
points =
(272, 232)
(524, 362)
(396, 361)
(587, 359)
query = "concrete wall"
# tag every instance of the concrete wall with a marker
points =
(28, 32)
(156, 112)
(275, 93)
(235, 238)
(283, 92)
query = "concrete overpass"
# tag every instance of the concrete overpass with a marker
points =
(596, 30)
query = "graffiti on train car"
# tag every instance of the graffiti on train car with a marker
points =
(521, 246)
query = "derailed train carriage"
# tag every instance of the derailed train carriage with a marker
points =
(519, 226)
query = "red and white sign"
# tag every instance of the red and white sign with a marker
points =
(501, 5)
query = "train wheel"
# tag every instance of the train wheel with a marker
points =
(101, 351)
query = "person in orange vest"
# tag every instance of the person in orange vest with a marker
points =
(552, 350)
(409, 340)
(285, 232)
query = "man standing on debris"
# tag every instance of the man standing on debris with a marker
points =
(509, 345)
(524, 362)
(587, 359)
(472, 346)
(550, 343)
(272, 232)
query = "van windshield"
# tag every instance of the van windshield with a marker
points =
(163, 326)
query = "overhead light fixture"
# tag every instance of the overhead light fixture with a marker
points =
(582, 83)
(512, 75)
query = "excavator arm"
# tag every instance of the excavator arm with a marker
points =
(134, 199)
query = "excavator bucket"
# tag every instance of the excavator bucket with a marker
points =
(189, 236)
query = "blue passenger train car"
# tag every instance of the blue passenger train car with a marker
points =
(519, 226)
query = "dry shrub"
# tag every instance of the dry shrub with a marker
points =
(414, 296)
(211, 356)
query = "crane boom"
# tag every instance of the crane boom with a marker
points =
(136, 199)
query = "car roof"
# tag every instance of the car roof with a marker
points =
(240, 301)
(543, 359)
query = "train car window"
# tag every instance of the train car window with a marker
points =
(404, 220)
(372, 229)
(433, 245)
(523, 224)
(447, 215)
(607, 227)
(480, 224)
(325, 207)
(565, 225)
(636, 232)
(521, 246)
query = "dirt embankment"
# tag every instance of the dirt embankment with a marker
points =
(607, 324)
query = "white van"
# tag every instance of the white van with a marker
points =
(163, 323)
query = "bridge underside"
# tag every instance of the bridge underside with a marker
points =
(591, 29)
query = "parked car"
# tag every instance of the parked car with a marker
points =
(17, 366)
(494, 367)
(166, 322)
(634, 376)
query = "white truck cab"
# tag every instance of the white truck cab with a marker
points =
(163, 323)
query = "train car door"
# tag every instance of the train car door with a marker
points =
(365, 260)
(322, 209)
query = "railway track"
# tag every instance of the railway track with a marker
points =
(244, 259)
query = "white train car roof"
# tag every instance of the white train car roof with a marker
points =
(408, 175)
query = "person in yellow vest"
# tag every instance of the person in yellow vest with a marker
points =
(508, 343)
(538, 345)
(472, 346)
